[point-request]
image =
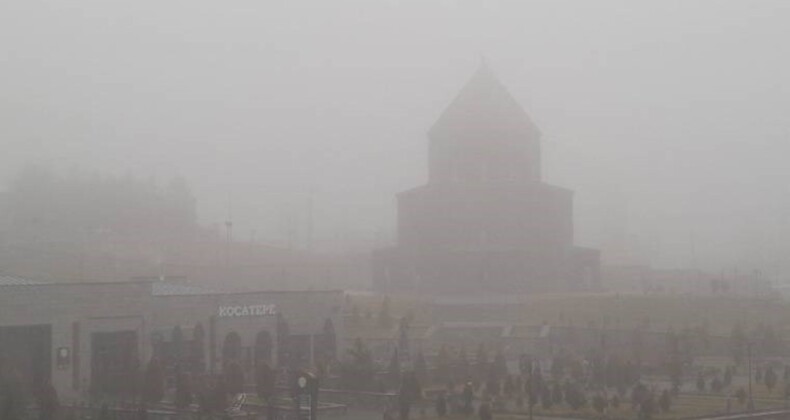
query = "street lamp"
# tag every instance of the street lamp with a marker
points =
(749, 355)
(532, 392)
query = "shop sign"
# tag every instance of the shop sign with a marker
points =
(247, 310)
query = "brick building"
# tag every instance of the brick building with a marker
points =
(485, 220)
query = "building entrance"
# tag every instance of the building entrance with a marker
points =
(25, 351)
(114, 362)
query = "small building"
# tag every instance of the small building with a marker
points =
(97, 337)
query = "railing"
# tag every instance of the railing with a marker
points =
(761, 415)
(80, 412)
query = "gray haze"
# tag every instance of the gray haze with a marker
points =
(670, 119)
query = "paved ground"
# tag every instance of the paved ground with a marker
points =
(372, 415)
(356, 415)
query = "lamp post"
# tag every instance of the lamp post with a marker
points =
(531, 387)
(749, 355)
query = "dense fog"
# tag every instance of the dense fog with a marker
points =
(394, 209)
(669, 119)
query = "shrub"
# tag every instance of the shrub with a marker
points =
(183, 390)
(599, 403)
(154, 380)
(264, 381)
(234, 378)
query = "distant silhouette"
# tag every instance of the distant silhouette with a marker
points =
(485, 196)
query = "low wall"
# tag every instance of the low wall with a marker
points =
(762, 415)
(372, 400)
(117, 413)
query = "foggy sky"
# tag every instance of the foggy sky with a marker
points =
(668, 118)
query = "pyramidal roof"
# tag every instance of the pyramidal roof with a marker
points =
(484, 106)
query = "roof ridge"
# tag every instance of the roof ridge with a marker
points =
(484, 96)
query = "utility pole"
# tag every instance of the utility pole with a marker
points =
(749, 355)
(310, 220)
(228, 233)
(228, 240)
(604, 367)
(531, 387)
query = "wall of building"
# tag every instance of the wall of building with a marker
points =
(80, 308)
(76, 312)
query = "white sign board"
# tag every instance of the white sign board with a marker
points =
(247, 310)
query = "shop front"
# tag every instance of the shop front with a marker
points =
(97, 339)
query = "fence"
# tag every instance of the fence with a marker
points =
(80, 412)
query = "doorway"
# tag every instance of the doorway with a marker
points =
(114, 362)
(26, 351)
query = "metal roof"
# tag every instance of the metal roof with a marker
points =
(165, 288)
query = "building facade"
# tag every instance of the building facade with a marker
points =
(485, 220)
(96, 338)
